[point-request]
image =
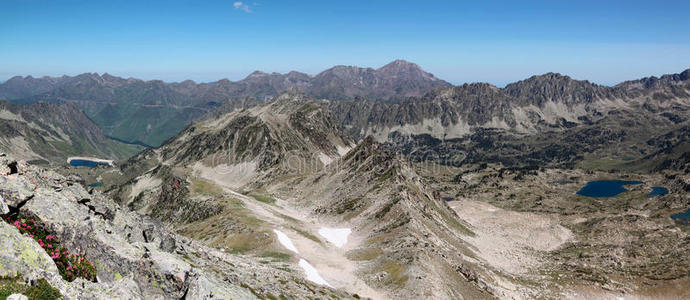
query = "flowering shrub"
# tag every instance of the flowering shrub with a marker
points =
(70, 265)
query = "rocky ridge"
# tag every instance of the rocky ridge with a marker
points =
(549, 102)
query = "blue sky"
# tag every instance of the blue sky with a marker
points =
(493, 41)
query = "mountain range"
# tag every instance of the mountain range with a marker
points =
(150, 112)
(448, 192)
(532, 105)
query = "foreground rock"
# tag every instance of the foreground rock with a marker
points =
(135, 257)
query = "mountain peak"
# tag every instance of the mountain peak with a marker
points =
(400, 64)
(257, 73)
(402, 67)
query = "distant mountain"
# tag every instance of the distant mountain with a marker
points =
(152, 111)
(546, 102)
(397, 79)
(19, 87)
(51, 132)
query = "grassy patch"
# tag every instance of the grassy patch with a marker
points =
(276, 255)
(202, 187)
(245, 242)
(262, 198)
(41, 290)
(364, 254)
(395, 271)
(306, 234)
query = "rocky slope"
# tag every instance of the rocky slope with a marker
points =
(234, 181)
(135, 256)
(52, 132)
(150, 112)
(411, 244)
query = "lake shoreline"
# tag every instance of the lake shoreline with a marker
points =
(93, 159)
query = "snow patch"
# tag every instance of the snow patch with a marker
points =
(285, 241)
(336, 236)
(312, 274)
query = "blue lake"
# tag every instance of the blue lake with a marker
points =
(605, 188)
(683, 217)
(658, 191)
(97, 184)
(85, 163)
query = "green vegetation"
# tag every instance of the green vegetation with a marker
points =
(41, 290)
(262, 198)
(364, 254)
(306, 234)
(245, 242)
(203, 187)
(395, 272)
(276, 255)
(70, 265)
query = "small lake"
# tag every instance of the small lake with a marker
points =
(85, 163)
(605, 188)
(97, 184)
(683, 217)
(658, 191)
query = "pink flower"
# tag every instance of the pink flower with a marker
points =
(50, 246)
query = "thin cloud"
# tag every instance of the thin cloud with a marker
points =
(242, 6)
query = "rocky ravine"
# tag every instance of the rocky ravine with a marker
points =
(135, 257)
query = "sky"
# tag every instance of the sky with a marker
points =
(476, 41)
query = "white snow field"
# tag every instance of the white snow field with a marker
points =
(312, 273)
(336, 236)
(285, 241)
